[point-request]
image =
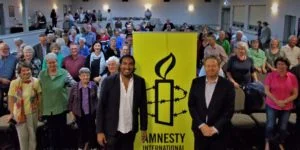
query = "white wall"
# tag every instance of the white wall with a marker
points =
(276, 21)
(176, 10)
(286, 7)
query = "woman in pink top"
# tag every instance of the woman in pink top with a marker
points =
(281, 88)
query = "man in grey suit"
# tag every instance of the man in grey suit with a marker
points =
(265, 36)
(42, 48)
(122, 99)
(211, 105)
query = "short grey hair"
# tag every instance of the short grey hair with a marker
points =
(28, 48)
(51, 56)
(292, 36)
(84, 70)
(18, 40)
(82, 39)
(112, 59)
(60, 42)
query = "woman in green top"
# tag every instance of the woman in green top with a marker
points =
(54, 48)
(54, 82)
(258, 56)
(273, 53)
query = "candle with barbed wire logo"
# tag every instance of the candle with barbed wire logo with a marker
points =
(166, 100)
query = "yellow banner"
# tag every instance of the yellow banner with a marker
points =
(167, 61)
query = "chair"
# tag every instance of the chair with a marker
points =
(239, 119)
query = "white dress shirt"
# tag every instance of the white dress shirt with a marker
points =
(209, 90)
(125, 110)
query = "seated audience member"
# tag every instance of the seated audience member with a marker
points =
(90, 37)
(96, 62)
(129, 29)
(109, 29)
(241, 72)
(216, 50)
(55, 48)
(149, 26)
(168, 24)
(54, 82)
(291, 51)
(83, 49)
(272, 53)
(36, 65)
(129, 42)
(18, 43)
(7, 72)
(258, 56)
(82, 105)
(42, 48)
(72, 35)
(201, 45)
(64, 50)
(241, 68)
(112, 66)
(238, 37)
(74, 62)
(24, 98)
(103, 37)
(112, 50)
(41, 20)
(119, 39)
(281, 88)
(118, 24)
(125, 50)
(224, 43)
(65, 36)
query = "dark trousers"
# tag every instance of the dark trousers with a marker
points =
(120, 141)
(216, 142)
(2, 109)
(297, 104)
(56, 128)
(87, 128)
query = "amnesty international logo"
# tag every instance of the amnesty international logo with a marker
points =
(167, 62)
(162, 87)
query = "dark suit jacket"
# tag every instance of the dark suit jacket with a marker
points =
(221, 106)
(38, 51)
(107, 116)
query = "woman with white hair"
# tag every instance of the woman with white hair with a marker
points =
(112, 64)
(241, 68)
(28, 57)
(83, 49)
(54, 82)
(65, 51)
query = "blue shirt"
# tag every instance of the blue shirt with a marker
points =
(84, 51)
(90, 38)
(65, 51)
(7, 68)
